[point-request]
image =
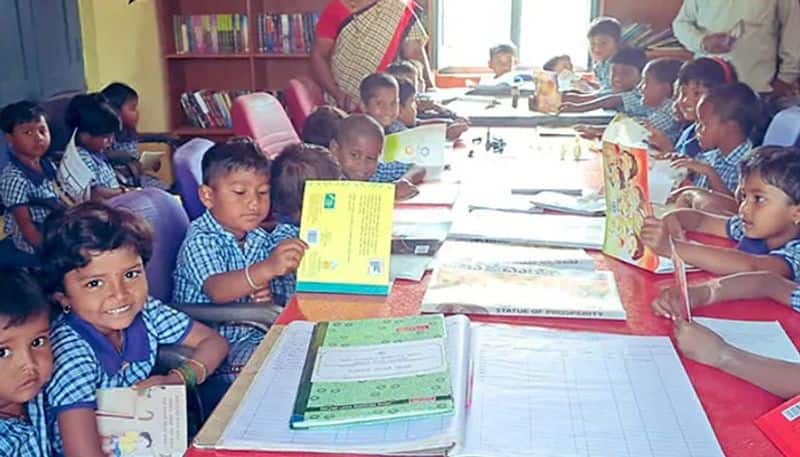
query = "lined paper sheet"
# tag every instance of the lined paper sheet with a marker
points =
(262, 420)
(539, 393)
(765, 338)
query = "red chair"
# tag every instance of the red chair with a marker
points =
(302, 96)
(261, 117)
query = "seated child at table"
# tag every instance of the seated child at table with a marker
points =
(27, 182)
(427, 107)
(295, 165)
(766, 228)
(27, 365)
(408, 112)
(625, 76)
(321, 126)
(358, 146)
(605, 35)
(380, 98)
(502, 59)
(558, 64)
(124, 150)
(109, 330)
(97, 124)
(704, 346)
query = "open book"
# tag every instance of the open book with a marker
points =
(519, 392)
(73, 178)
(423, 146)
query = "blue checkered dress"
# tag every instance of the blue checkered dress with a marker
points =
(21, 186)
(633, 105)
(795, 300)
(20, 438)
(84, 360)
(790, 252)
(726, 166)
(390, 171)
(602, 72)
(663, 118)
(102, 171)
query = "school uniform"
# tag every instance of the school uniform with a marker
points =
(661, 117)
(795, 299)
(790, 252)
(394, 127)
(24, 186)
(26, 438)
(84, 360)
(102, 171)
(726, 166)
(602, 73)
(390, 171)
(687, 144)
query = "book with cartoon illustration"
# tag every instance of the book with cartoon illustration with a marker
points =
(423, 146)
(348, 228)
(146, 423)
(374, 369)
(548, 97)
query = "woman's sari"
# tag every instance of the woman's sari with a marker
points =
(370, 39)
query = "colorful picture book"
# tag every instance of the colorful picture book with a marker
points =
(209, 109)
(522, 290)
(548, 96)
(211, 34)
(286, 33)
(374, 369)
(143, 423)
(423, 146)
(348, 228)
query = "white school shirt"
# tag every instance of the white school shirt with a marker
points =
(771, 32)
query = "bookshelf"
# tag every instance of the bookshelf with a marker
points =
(658, 14)
(247, 70)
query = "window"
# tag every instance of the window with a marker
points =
(541, 29)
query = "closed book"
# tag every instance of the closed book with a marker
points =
(782, 426)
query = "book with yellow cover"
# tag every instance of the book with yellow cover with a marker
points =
(348, 228)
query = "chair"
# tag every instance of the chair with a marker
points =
(302, 95)
(784, 130)
(261, 117)
(55, 108)
(169, 222)
(187, 165)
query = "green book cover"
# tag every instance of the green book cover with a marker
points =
(373, 370)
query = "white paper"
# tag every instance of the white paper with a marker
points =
(626, 131)
(434, 193)
(589, 205)
(466, 252)
(423, 146)
(540, 393)
(662, 179)
(764, 338)
(73, 178)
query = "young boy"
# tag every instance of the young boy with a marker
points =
(427, 108)
(26, 363)
(321, 126)
(626, 68)
(358, 146)
(408, 112)
(766, 228)
(27, 182)
(380, 99)
(503, 59)
(604, 37)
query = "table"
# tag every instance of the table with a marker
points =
(731, 404)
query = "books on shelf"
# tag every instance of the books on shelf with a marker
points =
(286, 33)
(209, 109)
(211, 34)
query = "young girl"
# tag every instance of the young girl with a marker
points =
(321, 126)
(96, 124)
(124, 150)
(109, 330)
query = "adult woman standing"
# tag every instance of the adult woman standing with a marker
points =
(355, 38)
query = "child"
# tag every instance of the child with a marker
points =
(406, 69)
(27, 182)
(358, 146)
(408, 112)
(97, 124)
(124, 150)
(503, 59)
(27, 364)
(625, 76)
(380, 99)
(726, 117)
(109, 330)
(604, 37)
(558, 64)
(704, 346)
(427, 108)
(321, 126)
(295, 165)
(766, 229)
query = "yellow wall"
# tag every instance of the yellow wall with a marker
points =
(120, 43)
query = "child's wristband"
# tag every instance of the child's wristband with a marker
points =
(250, 282)
(203, 370)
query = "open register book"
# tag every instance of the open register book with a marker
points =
(519, 392)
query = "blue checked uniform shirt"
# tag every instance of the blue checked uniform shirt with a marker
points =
(795, 300)
(790, 252)
(390, 171)
(102, 170)
(84, 360)
(662, 117)
(602, 72)
(726, 166)
(22, 186)
(19, 438)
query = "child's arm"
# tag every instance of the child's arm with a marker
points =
(414, 175)
(715, 182)
(230, 286)
(704, 346)
(577, 97)
(607, 102)
(22, 217)
(725, 261)
(79, 433)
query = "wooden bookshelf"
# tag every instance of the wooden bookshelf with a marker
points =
(252, 70)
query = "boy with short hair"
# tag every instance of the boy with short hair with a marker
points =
(502, 59)
(27, 184)
(626, 67)
(605, 34)
(408, 113)
(321, 126)
(380, 99)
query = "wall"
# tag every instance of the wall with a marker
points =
(120, 43)
(658, 13)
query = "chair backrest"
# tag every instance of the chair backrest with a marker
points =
(169, 223)
(302, 95)
(784, 130)
(261, 117)
(187, 166)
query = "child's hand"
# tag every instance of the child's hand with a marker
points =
(170, 379)
(286, 257)
(700, 168)
(700, 344)
(669, 302)
(262, 295)
(658, 139)
(656, 234)
(569, 97)
(455, 129)
(589, 132)
(404, 190)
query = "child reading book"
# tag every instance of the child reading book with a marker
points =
(321, 126)
(26, 363)
(408, 112)
(605, 34)
(358, 146)
(380, 99)
(502, 59)
(27, 182)
(766, 228)
(109, 329)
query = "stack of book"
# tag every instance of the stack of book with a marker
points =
(286, 33)
(645, 36)
(209, 109)
(211, 34)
